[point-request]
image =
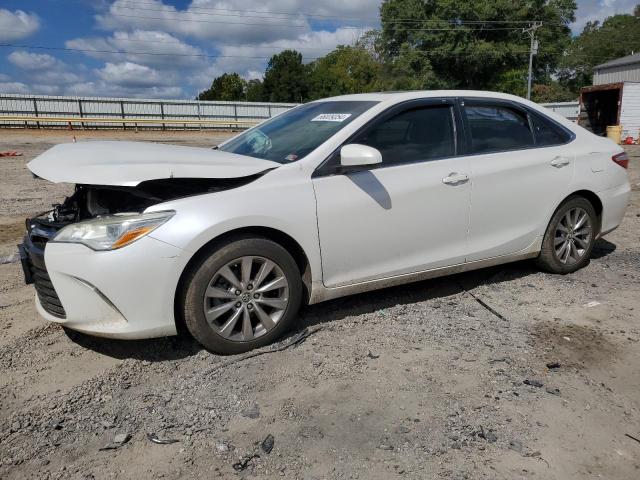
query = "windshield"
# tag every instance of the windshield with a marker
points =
(294, 134)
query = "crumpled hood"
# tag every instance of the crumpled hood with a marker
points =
(130, 163)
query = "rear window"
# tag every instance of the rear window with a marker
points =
(497, 128)
(548, 133)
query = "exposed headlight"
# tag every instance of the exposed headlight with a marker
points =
(114, 231)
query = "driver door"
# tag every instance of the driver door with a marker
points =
(409, 214)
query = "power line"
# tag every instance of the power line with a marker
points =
(191, 20)
(165, 54)
(442, 51)
(217, 44)
(271, 15)
(460, 28)
(169, 9)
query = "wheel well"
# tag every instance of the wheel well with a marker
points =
(277, 236)
(591, 197)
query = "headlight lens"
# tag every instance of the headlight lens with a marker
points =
(114, 231)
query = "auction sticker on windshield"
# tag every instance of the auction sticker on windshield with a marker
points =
(331, 117)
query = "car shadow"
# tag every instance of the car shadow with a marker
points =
(369, 184)
(183, 345)
(602, 248)
(152, 350)
(432, 289)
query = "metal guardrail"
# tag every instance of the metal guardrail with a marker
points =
(124, 121)
(43, 111)
(103, 112)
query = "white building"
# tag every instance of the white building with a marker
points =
(625, 69)
(614, 98)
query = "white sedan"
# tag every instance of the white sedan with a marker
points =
(330, 198)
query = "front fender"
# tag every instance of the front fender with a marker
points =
(282, 202)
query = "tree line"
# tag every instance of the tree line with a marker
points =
(478, 44)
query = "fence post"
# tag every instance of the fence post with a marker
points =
(124, 125)
(235, 114)
(35, 110)
(199, 117)
(81, 112)
(164, 127)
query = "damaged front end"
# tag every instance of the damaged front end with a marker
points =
(89, 202)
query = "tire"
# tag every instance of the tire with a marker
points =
(223, 329)
(552, 253)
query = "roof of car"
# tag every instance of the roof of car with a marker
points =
(391, 98)
(407, 95)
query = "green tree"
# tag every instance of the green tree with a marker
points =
(410, 69)
(476, 55)
(513, 81)
(286, 78)
(228, 86)
(255, 91)
(342, 71)
(616, 37)
(552, 92)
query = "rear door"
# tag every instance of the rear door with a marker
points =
(520, 170)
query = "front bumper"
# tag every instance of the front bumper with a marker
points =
(125, 293)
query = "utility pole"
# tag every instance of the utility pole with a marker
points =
(533, 50)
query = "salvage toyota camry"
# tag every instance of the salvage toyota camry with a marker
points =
(330, 198)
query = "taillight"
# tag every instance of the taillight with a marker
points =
(621, 159)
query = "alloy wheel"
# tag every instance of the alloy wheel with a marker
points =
(573, 236)
(246, 298)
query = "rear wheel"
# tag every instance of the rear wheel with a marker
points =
(242, 296)
(570, 236)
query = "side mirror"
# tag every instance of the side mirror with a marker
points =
(356, 155)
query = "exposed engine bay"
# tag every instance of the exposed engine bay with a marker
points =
(91, 201)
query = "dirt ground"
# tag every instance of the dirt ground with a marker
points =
(418, 382)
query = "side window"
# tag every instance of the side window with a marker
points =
(423, 133)
(497, 128)
(547, 133)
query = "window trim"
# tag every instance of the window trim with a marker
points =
(525, 110)
(489, 103)
(542, 117)
(326, 168)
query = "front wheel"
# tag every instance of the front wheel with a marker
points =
(570, 236)
(244, 295)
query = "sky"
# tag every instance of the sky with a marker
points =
(174, 48)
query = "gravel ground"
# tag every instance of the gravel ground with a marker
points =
(420, 381)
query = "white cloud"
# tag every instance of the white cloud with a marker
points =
(590, 10)
(44, 70)
(104, 89)
(160, 48)
(13, 87)
(132, 75)
(47, 89)
(18, 24)
(33, 61)
(246, 21)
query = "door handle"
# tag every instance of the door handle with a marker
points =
(560, 162)
(455, 178)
